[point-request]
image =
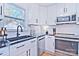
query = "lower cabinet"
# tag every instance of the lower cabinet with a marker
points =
(18, 49)
(50, 43)
(33, 47)
(4, 51)
(41, 45)
(26, 48)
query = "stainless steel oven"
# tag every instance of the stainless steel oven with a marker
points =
(63, 44)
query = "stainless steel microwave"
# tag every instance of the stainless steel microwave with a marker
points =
(63, 19)
(73, 17)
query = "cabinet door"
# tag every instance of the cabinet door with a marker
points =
(77, 12)
(77, 9)
(33, 51)
(33, 47)
(50, 43)
(19, 49)
(51, 15)
(42, 15)
(60, 9)
(33, 13)
(70, 8)
(41, 45)
(4, 51)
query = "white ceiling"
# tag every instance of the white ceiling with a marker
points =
(46, 4)
(23, 5)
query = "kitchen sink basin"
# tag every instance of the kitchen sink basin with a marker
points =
(18, 38)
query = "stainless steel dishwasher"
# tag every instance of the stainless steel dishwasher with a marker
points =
(41, 44)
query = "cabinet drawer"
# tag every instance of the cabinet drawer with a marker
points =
(18, 49)
(4, 51)
(33, 42)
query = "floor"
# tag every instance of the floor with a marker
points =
(54, 54)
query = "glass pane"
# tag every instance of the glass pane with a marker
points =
(13, 10)
(11, 23)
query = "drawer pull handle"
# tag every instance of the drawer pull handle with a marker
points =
(32, 41)
(42, 38)
(20, 46)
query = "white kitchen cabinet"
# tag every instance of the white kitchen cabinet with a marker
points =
(41, 45)
(33, 14)
(19, 49)
(66, 9)
(60, 9)
(70, 8)
(50, 43)
(77, 12)
(51, 17)
(26, 48)
(33, 47)
(37, 14)
(4, 51)
(42, 15)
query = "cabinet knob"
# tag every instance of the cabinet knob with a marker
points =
(42, 38)
(1, 53)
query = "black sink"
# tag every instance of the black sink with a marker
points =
(18, 38)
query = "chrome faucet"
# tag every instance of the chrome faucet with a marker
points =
(18, 30)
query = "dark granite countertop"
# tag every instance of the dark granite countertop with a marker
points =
(41, 35)
(15, 40)
(3, 44)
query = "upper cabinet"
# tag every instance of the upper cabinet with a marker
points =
(70, 8)
(60, 9)
(77, 12)
(66, 9)
(66, 13)
(33, 10)
(42, 15)
(51, 15)
(37, 14)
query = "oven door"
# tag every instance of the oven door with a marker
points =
(67, 46)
